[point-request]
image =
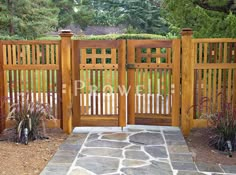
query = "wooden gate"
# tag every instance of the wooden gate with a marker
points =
(98, 76)
(154, 82)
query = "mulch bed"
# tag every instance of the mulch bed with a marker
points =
(198, 144)
(28, 159)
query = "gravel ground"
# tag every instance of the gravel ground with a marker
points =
(28, 159)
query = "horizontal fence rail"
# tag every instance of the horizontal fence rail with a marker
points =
(32, 74)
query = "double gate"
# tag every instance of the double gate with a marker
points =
(115, 82)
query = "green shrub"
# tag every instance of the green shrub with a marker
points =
(119, 36)
(14, 37)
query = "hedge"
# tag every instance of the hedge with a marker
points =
(108, 37)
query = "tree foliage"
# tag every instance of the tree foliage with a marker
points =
(204, 22)
(27, 18)
(141, 15)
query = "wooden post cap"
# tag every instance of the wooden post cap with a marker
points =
(186, 31)
(66, 33)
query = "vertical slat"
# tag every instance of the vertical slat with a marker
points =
(200, 80)
(101, 91)
(96, 96)
(81, 95)
(169, 90)
(9, 55)
(229, 85)
(176, 82)
(29, 72)
(142, 91)
(158, 51)
(131, 83)
(214, 84)
(106, 98)
(87, 91)
(43, 75)
(14, 54)
(136, 91)
(57, 56)
(82, 101)
(146, 91)
(205, 75)
(168, 55)
(24, 71)
(160, 90)
(76, 60)
(34, 74)
(52, 55)
(165, 82)
(110, 95)
(10, 87)
(14, 73)
(150, 91)
(39, 74)
(225, 71)
(19, 72)
(53, 72)
(209, 88)
(48, 72)
(115, 90)
(155, 90)
(92, 94)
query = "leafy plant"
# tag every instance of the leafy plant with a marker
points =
(31, 116)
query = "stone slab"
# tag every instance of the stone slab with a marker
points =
(99, 165)
(206, 167)
(147, 138)
(156, 151)
(184, 166)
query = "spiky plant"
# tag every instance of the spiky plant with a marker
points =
(29, 115)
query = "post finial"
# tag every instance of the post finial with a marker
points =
(66, 33)
(186, 31)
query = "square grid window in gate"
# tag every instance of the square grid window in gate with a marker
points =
(99, 56)
(153, 55)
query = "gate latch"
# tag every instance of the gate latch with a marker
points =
(130, 66)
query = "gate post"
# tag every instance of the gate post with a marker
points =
(187, 81)
(2, 84)
(66, 81)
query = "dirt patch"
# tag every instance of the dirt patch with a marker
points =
(198, 144)
(28, 159)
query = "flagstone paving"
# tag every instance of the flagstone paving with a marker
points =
(135, 150)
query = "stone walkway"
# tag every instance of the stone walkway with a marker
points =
(137, 150)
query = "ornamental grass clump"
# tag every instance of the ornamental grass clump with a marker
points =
(29, 117)
(224, 123)
(221, 120)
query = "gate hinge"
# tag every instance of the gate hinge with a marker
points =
(130, 66)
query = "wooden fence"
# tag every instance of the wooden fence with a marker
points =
(43, 71)
(208, 78)
(31, 73)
